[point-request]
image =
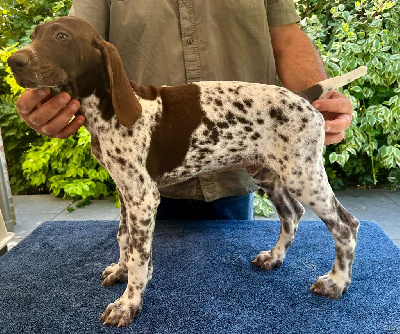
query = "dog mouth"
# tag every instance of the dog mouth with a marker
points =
(54, 89)
(28, 83)
(34, 79)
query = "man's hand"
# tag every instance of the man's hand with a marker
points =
(299, 66)
(337, 111)
(50, 115)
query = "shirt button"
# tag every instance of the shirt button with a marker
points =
(184, 2)
(190, 41)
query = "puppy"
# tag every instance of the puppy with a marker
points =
(148, 137)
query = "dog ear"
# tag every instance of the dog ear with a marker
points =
(124, 101)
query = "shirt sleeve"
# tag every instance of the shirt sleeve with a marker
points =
(97, 12)
(281, 12)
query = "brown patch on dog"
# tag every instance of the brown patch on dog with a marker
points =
(181, 115)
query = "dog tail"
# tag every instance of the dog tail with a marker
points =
(315, 92)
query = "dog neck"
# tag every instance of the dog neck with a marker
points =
(88, 84)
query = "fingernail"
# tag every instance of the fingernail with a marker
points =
(22, 110)
(41, 92)
(75, 106)
(33, 122)
(328, 129)
(317, 106)
(63, 100)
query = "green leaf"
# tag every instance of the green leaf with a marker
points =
(372, 120)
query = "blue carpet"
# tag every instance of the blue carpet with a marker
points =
(203, 281)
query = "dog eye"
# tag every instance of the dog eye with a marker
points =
(61, 35)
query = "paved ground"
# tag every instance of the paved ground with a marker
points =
(379, 205)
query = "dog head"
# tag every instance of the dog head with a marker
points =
(68, 54)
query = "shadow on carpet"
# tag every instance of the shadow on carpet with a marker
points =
(203, 281)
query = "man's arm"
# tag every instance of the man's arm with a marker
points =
(294, 50)
(299, 66)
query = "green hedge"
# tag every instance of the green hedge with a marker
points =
(346, 33)
(17, 21)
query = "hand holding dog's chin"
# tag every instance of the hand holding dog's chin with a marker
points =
(50, 115)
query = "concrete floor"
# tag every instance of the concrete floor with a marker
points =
(379, 205)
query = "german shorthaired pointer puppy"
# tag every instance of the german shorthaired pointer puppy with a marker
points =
(150, 137)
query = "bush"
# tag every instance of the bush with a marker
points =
(67, 167)
(346, 33)
(17, 20)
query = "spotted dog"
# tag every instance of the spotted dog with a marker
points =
(148, 137)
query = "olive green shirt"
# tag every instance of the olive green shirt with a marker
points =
(171, 42)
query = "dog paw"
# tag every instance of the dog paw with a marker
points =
(120, 313)
(326, 286)
(114, 273)
(266, 260)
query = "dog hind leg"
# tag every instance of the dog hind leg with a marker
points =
(290, 212)
(313, 190)
(343, 227)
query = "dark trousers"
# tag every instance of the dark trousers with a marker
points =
(227, 208)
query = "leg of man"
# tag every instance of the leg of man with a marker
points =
(227, 208)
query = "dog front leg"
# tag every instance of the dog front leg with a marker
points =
(118, 272)
(140, 217)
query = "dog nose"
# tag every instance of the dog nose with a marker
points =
(18, 61)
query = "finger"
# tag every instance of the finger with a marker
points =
(71, 128)
(332, 94)
(341, 105)
(334, 138)
(45, 112)
(341, 123)
(29, 99)
(60, 124)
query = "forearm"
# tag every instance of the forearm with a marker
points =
(298, 64)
